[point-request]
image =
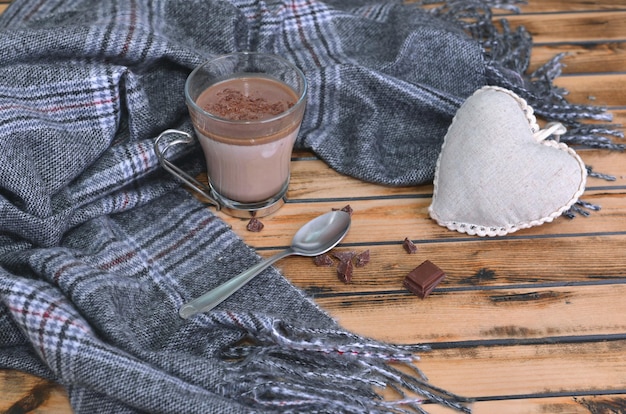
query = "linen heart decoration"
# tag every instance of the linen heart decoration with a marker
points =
(497, 173)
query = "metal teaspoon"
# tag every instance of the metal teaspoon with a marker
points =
(314, 238)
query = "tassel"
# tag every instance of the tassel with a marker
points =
(508, 55)
(293, 369)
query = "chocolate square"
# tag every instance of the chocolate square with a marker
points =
(423, 279)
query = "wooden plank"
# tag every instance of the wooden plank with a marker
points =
(606, 162)
(498, 314)
(583, 58)
(472, 265)
(527, 370)
(601, 90)
(552, 6)
(313, 179)
(22, 393)
(555, 6)
(572, 27)
(390, 221)
(585, 404)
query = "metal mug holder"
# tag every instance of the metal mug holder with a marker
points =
(235, 209)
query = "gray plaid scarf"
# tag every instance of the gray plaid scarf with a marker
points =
(99, 248)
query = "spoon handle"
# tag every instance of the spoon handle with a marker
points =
(216, 296)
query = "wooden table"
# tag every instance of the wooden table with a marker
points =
(530, 323)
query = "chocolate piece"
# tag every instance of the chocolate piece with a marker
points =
(323, 260)
(347, 209)
(362, 258)
(255, 225)
(409, 246)
(344, 271)
(423, 279)
(344, 256)
(236, 105)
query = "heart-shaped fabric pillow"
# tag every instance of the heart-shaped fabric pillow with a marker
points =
(497, 173)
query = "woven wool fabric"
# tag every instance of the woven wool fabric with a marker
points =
(99, 248)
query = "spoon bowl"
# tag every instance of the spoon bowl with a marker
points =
(314, 238)
(321, 234)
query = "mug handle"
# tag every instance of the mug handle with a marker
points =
(168, 166)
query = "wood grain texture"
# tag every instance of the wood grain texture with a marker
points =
(583, 58)
(569, 6)
(314, 180)
(572, 27)
(604, 90)
(481, 315)
(529, 323)
(22, 393)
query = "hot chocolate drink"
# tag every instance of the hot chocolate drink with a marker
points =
(248, 138)
(246, 109)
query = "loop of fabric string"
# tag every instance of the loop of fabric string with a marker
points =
(553, 128)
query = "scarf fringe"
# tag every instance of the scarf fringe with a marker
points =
(508, 56)
(281, 367)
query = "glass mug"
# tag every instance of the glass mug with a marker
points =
(246, 109)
